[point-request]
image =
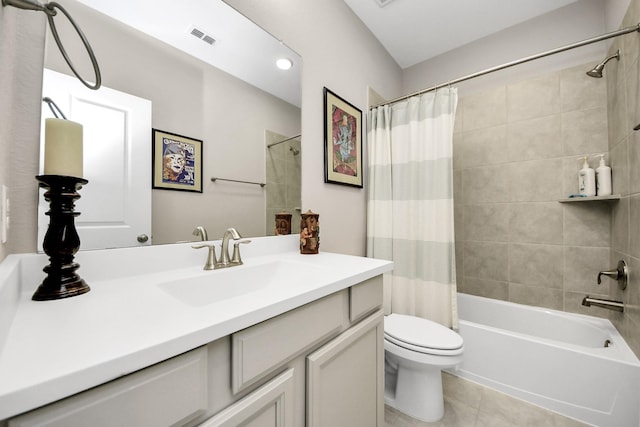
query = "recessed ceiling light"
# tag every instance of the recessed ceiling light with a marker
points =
(284, 63)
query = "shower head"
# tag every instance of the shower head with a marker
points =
(597, 70)
(294, 150)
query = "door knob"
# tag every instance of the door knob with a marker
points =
(142, 238)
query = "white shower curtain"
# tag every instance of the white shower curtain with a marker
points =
(410, 203)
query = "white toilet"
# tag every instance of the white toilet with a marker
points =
(416, 351)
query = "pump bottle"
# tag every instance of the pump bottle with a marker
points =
(586, 179)
(603, 178)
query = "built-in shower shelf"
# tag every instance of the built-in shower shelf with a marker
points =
(613, 197)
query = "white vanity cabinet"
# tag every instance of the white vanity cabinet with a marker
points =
(320, 364)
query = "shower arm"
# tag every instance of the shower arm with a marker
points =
(627, 30)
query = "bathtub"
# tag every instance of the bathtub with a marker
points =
(553, 359)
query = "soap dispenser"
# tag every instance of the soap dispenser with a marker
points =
(603, 178)
(586, 179)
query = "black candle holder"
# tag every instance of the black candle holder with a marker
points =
(61, 242)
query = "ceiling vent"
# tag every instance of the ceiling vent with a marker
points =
(195, 31)
(383, 3)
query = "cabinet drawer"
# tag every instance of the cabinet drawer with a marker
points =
(161, 395)
(270, 405)
(259, 350)
(365, 298)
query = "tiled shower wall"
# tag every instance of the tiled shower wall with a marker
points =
(516, 151)
(623, 92)
(283, 180)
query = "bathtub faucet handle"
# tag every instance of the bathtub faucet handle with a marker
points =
(620, 274)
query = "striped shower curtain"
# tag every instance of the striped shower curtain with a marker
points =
(410, 203)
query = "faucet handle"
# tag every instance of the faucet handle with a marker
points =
(236, 259)
(620, 274)
(210, 264)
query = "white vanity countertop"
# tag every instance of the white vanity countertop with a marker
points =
(53, 349)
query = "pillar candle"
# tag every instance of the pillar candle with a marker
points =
(63, 148)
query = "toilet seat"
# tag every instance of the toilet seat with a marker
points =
(421, 335)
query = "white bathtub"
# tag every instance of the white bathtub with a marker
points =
(552, 359)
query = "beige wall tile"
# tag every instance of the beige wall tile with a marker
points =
(579, 91)
(485, 260)
(585, 132)
(539, 138)
(536, 266)
(487, 222)
(533, 98)
(535, 180)
(536, 223)
(535, 295)
(587, 224)
(486, 146)
(486, 288)
(485, 184)
(634, 225)
(620, 226)
(485, 109)
(581, 267)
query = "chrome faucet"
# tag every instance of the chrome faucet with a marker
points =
(202, 232)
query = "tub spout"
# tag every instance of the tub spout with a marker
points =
(603, 303)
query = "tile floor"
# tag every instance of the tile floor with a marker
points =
(467, 404)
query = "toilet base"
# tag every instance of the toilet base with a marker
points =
(418, 393)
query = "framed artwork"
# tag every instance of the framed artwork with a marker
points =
(342, 141)
(176, 162)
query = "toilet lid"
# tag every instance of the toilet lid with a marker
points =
(420, 332)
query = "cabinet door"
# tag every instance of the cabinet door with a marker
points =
(269, 406)
(345, 378)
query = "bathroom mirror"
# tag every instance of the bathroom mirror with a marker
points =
(210, 74)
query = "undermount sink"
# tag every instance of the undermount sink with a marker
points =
(218, 285)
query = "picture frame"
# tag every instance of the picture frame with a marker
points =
(176, 162)
(342, 141)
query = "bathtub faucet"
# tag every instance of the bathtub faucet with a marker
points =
(603, 303)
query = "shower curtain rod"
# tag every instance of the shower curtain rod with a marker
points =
(285, 140)
(602, 37)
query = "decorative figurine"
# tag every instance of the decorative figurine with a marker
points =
(283, 223)
(309, 233)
